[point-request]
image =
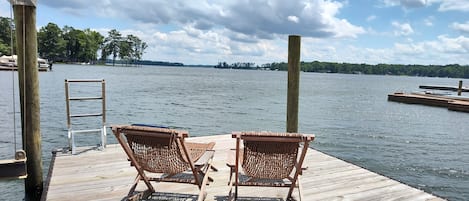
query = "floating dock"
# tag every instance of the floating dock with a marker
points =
(444, 88)
(107, 175)
(452, 103)
(8, 68)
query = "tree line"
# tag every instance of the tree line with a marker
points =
(450, 70)
(237, 65)
(68, 44)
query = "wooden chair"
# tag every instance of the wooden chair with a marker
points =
(268, 159)
(163, 150)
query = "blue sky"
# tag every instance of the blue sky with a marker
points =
(210, 31)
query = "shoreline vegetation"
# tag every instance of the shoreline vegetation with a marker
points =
(70, 45)
(450, 70)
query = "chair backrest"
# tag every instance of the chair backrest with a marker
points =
(270, 155)
(157, 150)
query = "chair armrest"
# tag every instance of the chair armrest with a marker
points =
(231, 158)
(205, 158)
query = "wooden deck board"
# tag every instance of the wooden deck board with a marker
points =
(107, 175)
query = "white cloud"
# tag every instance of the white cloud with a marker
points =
(461, 27)
(390, 3)
(258, 18)
(413, 3)
(444, 5)
(409, 49)
(199, 46)
(459, 45)
(371, 18)
(293, 18)
(454, 5)
(403, 29)
(193, 46)
(429, 21)
(406, 3)
(443, 50)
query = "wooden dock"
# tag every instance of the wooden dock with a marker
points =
(444, 88)
(452, 103)
(107, 175)
(9, 68)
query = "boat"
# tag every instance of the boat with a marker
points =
(10, 63)
(43, 64)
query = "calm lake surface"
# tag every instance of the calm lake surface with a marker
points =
(425, 147)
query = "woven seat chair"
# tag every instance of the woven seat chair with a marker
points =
(163, 150)
(268, 159)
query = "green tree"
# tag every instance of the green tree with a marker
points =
(72, 39)
(6, 36)
(51, 44)
(111, 45)
(138, 47)
(95, 42)
(90, 42)
(125, 50)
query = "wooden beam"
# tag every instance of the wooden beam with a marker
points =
(25, 22)
(294, 46)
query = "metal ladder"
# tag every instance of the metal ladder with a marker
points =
(102, 114)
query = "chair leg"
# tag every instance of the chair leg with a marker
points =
(141, 195)
(202, 196)
(132, 189)
(210, 179)
(202, 193)
(292, 187)
(131, 196)
(300, 189)
(231, 195)
(236, 192)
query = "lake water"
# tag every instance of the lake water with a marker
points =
(425, 147)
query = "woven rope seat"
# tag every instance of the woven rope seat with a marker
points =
(268, 159)
(165, 151)
(163, 155)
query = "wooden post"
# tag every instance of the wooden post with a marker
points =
(460, 87)
(25, 22)
(294, 46)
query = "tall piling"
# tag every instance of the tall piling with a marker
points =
(460, 88)
(25, 23)
(294, 46)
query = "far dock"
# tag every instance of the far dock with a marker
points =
(444, 88)
(107, 175)
(451, 102)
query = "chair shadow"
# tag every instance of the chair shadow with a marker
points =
(158, 196)
(244, 198)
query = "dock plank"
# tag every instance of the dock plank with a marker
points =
(107, 175)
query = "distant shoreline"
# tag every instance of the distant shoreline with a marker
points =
(450, 70)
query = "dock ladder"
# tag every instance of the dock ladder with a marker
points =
(102, 97)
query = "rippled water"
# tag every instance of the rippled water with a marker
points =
(425, 147)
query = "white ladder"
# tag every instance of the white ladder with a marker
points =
(102, 114)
